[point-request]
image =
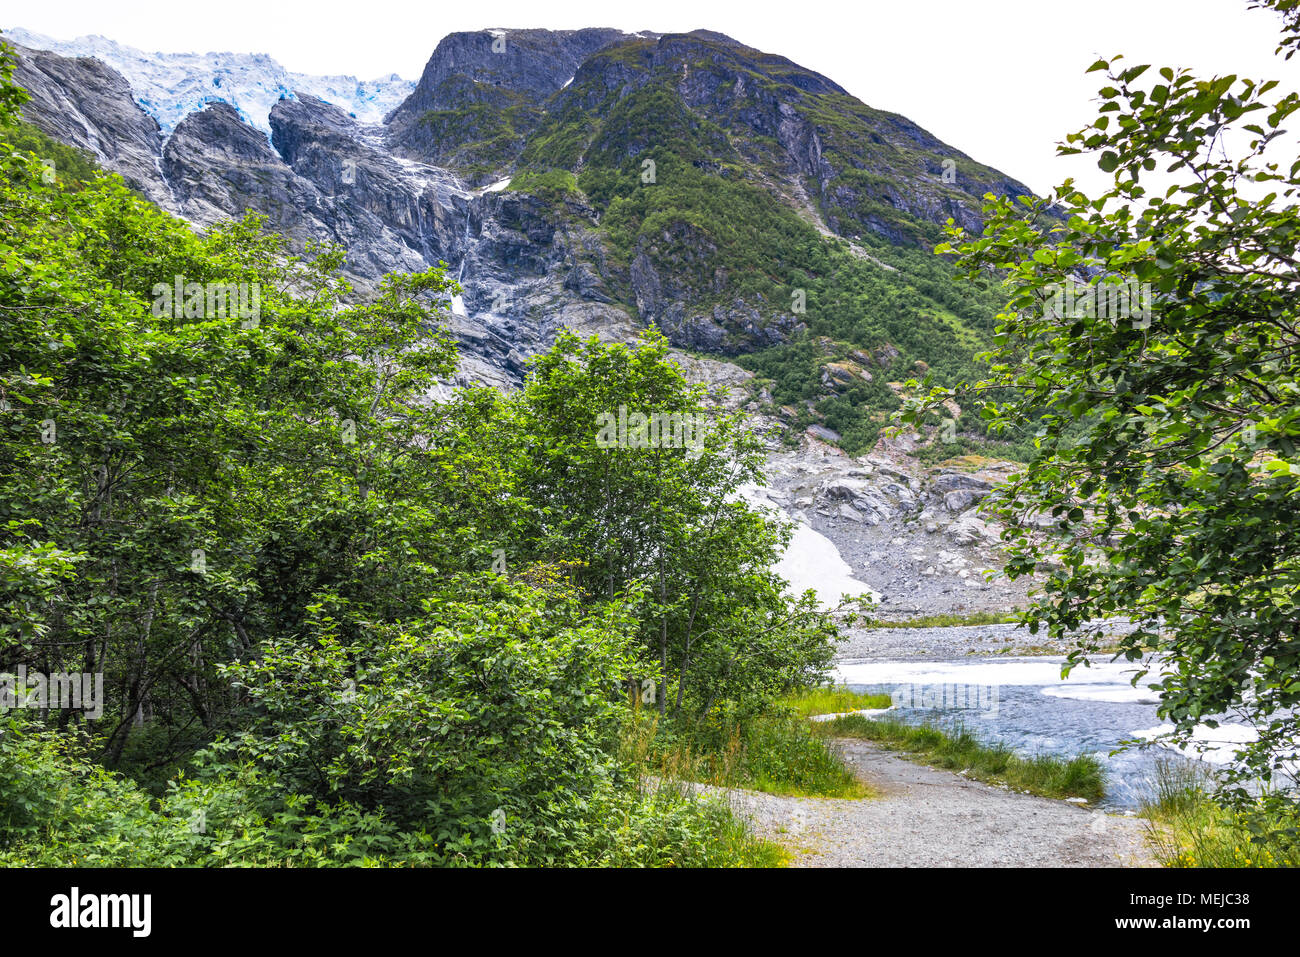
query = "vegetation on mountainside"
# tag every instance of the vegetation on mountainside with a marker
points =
(480, 137)
(705, 199)
(69, 165)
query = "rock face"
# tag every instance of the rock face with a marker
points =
(327, 178)
(218, 167)
(455, 113)
(891, 521)
(86, 104)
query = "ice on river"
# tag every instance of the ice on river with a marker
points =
(1012, 671)
(1117, 693)
(1216, 745)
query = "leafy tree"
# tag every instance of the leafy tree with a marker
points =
(1166, 442)
(499, 700)
(716, 623)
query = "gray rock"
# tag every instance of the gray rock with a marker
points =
(947, 481)
(822, 433)
(960, 499)
(86, 104)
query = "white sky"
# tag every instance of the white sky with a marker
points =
(1001, 80)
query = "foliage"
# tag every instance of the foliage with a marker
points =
(70, 165)
(59, 809)
(339, 623)
(715, 623)
(1189, 828)
(499, 699)
(1166, 444)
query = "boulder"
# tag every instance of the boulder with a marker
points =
(823, 434)
(960, 499)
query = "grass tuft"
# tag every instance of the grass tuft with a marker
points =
(778, 753)
(832, 700)
(1188, 828)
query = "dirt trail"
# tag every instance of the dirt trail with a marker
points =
(930, 818)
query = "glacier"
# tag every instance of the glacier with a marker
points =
(170, 86)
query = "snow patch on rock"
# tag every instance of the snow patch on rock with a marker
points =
(811, 560)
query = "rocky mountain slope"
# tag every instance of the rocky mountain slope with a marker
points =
(730, 196)
(774, 227)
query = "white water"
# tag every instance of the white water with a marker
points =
(1113, 693)
(1215, 745)
(865, 712)
(1045, 672)
(458, 301)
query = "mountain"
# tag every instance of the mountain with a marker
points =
(170, 86)
(481, 94)
(751, 208)
(777, 229)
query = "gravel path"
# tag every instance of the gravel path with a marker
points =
(924, 817)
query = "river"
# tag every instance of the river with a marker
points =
(1023, 702)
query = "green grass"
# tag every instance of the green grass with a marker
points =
(960, 750)
(552, 184)
(951, 454)
(1188, 828)
(946, 620)
(676, 827)
(832, 700)
(779, 753)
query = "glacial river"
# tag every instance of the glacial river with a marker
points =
(1024, 703)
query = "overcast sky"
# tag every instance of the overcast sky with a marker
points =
(1001, 80)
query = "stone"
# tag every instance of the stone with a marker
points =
(822, 434)
(958, 500)
(947, 481)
